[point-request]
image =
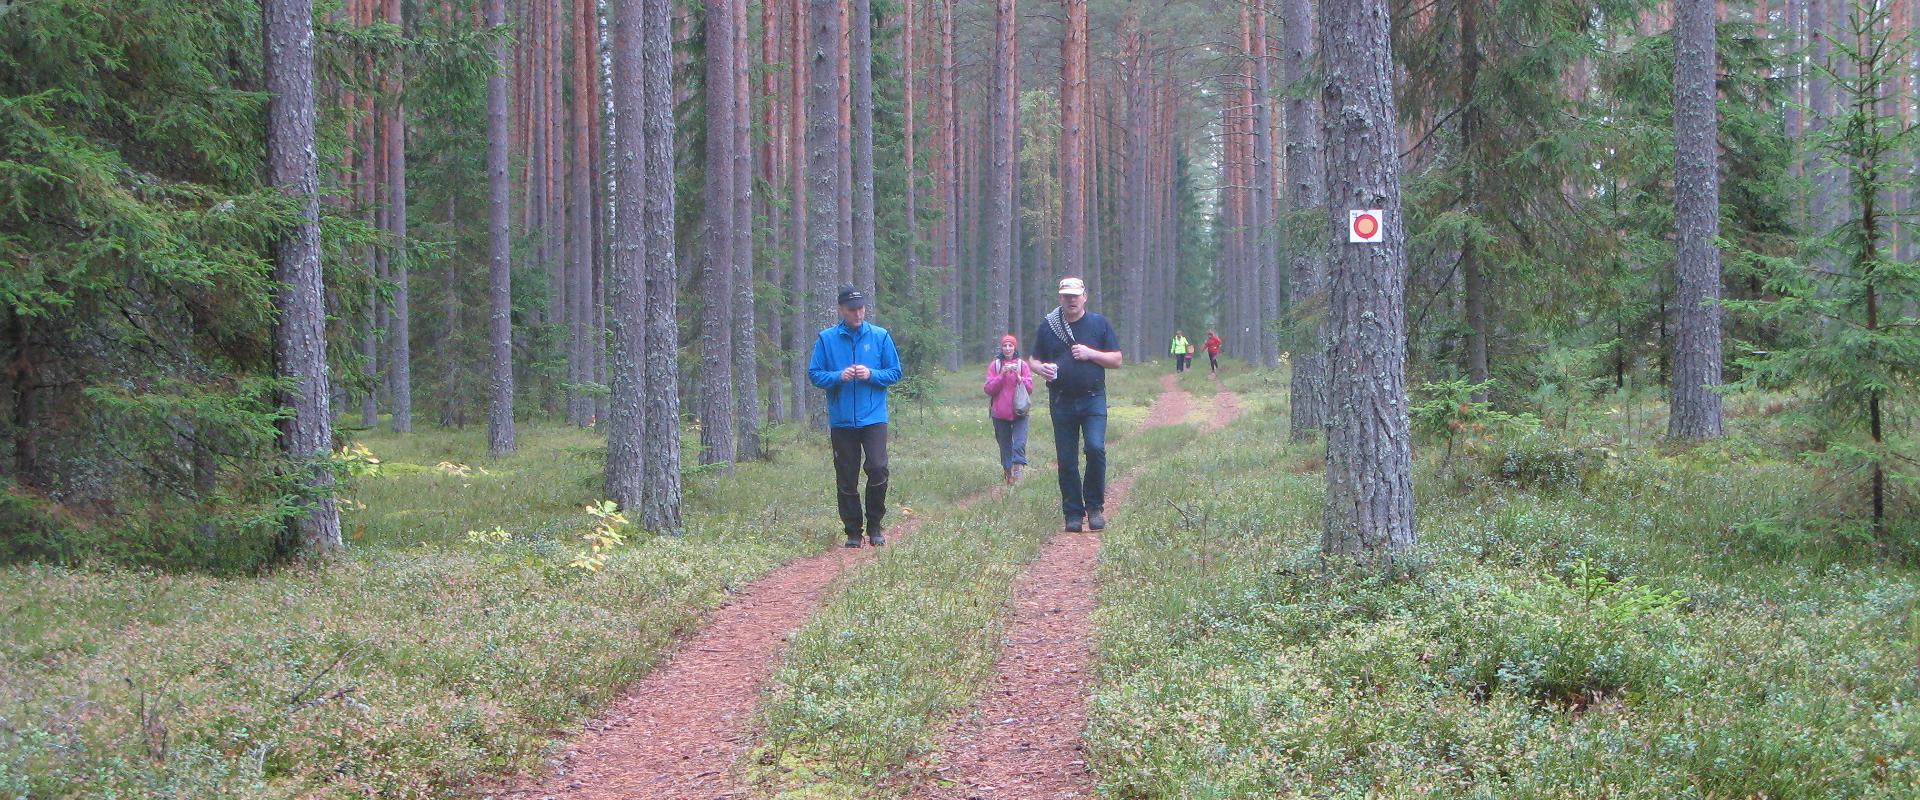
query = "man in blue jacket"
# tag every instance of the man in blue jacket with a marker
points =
(855, 361)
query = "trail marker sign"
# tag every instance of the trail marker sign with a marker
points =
(1366, 225)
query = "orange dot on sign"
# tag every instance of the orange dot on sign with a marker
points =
(1366, 226)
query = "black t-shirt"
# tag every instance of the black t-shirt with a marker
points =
(1077, 377)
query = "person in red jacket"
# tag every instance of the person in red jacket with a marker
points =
(1007, 374)
(1213, 353)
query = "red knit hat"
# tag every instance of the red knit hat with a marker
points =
(1010, 339)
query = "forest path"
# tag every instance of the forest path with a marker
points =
(678, 732)
(1022, 739)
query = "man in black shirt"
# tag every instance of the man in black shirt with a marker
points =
(1073, 350)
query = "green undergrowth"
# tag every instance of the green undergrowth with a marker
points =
(1602, 630)
(425, 658)
(875, 678)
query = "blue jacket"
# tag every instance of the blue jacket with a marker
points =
(855, 404)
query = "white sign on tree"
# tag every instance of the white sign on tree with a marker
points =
(1366, 225)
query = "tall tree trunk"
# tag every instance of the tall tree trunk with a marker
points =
(453, 403)
(716, 239)
(746, 360)
(1369, 514)
(1135, 246)
(1073, 141)
(299, 329)
(862, 57)
(1006, 91)
(1696, 350)
(501, 438)
(823, 170)
(1306, 239)
(628, 276)
(950, 211)
(844, 98)
(800, 289)
(1470, 132)
(580, 222)
(399, 339)
(1266, 245)
(909, 79)
(661, 481)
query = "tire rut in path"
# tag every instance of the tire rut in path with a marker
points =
(678, 731)
(1021, 740)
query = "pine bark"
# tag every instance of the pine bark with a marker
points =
(862, 63)
(746, 360)
(716, 240)
(1305, 201)
(1472, 279)
(1073, 141)
(950, 211)
(1265, 244)
(1369, 512)
(580, 222)
(1696, 350)
(1135, 245)
(299, 329)
(1006, 90)
(501, 437)
(823, 174)
(803, 395)
(910, 80)
(399, 338)
(662, 497)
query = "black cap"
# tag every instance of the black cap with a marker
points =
(852, 298)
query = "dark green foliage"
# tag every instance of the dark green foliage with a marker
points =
(134, 226)
(1848, 301)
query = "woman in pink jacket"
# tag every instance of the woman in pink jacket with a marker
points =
(1008, 375)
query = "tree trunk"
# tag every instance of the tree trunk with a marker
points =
(862, 57)
(1266, 249)
(1369, 513)
(909, 79)
(1073, 141)
(627, 278)
(716, 240)
(746, 360)
(661, 481)
(1133, 316)
(950, 213)
(500, 432)
(803, 395)
(1306, 241)
(580, 222)
(1006, 91)
(823, 173)
(299, 329)
(1696, 308)
(1470, 132)
(399, 339)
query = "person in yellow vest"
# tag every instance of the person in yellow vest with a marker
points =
(1179, 350)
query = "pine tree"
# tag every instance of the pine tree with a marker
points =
(299, 330)
(501, 438)
(1306, 242)
(1696, 351)
(1369, 513)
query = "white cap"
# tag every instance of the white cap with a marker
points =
(1073, 286)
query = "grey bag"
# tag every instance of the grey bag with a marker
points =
(1022, 399)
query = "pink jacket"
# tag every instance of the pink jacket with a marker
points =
(1000, 385)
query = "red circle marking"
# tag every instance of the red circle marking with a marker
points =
(1365, 226)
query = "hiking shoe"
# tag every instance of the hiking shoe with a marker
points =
(1096, 520)
(877, 538)
(1006, 476)
(1018, 470)
(1073, 526)
(853, 539)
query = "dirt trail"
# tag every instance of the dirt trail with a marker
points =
(1021, 741)
(678, 732)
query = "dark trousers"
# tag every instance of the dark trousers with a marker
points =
(1080, 423)
(1213, 362)
(1012, 435)
(849, 446)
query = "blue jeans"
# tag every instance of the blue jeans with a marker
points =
(1012, 435)
(1077, 421)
